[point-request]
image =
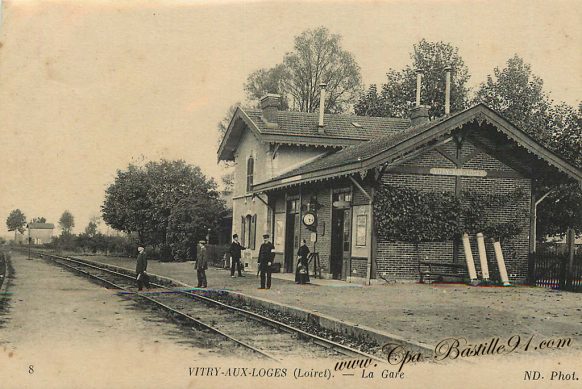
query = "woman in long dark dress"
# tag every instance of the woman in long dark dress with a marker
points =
(302, 271)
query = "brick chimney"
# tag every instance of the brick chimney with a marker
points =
(321, 125)
(270, 104)
(419, 115)
(448, 90)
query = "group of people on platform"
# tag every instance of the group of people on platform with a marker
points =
(265, 262)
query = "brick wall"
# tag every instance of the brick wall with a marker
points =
(399, 260)
(323, 244)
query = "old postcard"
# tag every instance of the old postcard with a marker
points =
(249, 194)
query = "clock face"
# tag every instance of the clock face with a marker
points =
(309, 219)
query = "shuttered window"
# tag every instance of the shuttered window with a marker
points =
(242, 231)
(253, 232)
(250, 173)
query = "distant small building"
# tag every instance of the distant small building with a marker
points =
(40, 233)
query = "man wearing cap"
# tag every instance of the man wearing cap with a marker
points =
(235, 254)
(140, 269)
(266, 255)
(201, 265)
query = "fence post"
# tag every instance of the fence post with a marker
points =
(570, 268)
(531, 267)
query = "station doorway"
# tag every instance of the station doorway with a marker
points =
(292, 226)
(340, 236)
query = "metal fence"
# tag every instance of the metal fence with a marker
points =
(553, 269)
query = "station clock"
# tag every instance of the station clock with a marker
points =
(309, 219)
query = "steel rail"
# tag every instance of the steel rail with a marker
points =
(166, 307)
(346, 350)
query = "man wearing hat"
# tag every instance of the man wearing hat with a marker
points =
(201, 265)
(266, 255)
(235, 254)
(140, 269)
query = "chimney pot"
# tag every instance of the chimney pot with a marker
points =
(321, 107)
(419, 73)
(419, 115)
(270, 104)
(448, 90)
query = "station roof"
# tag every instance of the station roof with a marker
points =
(301, 128)
(392, 146)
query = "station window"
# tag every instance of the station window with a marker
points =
(243, 229)
(293, 206)
(250, 173)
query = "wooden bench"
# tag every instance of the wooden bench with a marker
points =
(425, 269)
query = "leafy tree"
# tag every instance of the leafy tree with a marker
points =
(517, 93)
(563, 207)
(228, 181)
(91, 229)
(67, 222)
(16, 222)
(263, 81)
(398, 94)
(143, 199)
(317, 57)
(223, 124)
(190, 221)
(39, 220)
(566, 134)
(127, 206)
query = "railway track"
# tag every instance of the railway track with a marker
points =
(261, 335)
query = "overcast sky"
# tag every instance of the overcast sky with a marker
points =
(86, 87)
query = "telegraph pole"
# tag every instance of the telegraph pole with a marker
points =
(28, 226)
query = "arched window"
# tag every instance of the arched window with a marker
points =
(250, 172)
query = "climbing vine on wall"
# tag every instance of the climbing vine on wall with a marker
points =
(406, 214)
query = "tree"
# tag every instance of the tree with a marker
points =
(398, 94)
(517, 94)
(16, 222)
(143, 199)
(223, 124)
(263, 81)
(562, 209)
(317, 57)
(190, 221)
(566, 132)
(39, 220)
(67, 222)
(91, 229)
(228, 181)
(127, 206)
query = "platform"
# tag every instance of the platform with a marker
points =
(419, 313)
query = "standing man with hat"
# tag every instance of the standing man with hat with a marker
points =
(140, 269)
(201, 265)
(235, 254)
(266, 256)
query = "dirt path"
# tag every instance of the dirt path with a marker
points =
(61, 330)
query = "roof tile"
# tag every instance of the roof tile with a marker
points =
(337, 126)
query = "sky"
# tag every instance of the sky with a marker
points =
(87, 87)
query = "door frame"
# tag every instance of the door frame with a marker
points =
(345, 255)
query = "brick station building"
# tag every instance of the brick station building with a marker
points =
(293, 164)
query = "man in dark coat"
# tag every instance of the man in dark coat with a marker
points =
(140, 270)
(201, 265)
(235, 254)
(266, 256)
